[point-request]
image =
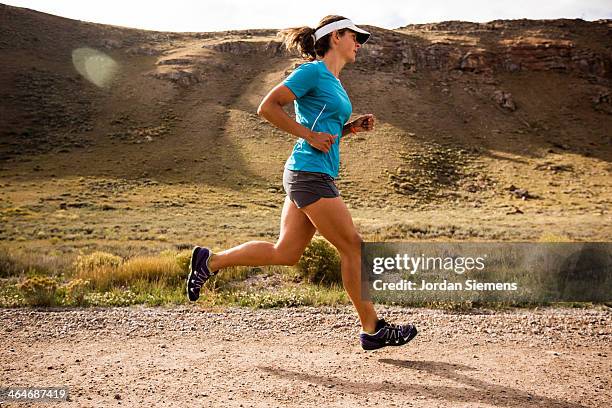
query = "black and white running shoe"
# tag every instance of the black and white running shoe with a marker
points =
(200, 272)
(387, 335)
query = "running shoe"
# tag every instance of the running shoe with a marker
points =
(200, 272)
(387, 335)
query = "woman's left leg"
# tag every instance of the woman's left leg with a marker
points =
(296, 231)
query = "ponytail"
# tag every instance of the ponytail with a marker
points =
(302, 39)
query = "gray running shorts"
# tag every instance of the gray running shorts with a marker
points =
(306, 187)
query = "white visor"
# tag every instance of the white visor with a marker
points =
(362, 35)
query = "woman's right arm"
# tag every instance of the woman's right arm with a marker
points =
(271, 108)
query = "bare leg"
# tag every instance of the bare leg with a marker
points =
(333, 220)
(296, 231)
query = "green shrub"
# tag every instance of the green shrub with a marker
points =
(320, 263)
(38, 290)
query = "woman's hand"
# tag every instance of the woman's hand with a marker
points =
(364, 123)
(321, 140)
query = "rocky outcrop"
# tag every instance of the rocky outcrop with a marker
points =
(537, 54)
(499, 46)
(571, 46)
(512, 56)
(239, 47)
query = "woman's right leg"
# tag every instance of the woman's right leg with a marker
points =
(296, 231)
(333, 220)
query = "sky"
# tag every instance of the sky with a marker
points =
(199, 16)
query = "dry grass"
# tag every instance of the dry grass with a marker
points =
(22, 262)
(550, 237)
(160, 269)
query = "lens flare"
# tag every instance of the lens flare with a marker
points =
(95, 66)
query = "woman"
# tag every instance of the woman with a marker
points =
(313, 202)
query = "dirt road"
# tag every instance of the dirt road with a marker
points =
(309, 357)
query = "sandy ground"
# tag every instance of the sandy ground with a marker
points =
(309, 357)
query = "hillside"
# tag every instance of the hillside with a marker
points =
(136, 140)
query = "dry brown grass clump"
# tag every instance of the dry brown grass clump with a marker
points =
(18, 262)
(106, 270)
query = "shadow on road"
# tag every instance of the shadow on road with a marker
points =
(473, 390)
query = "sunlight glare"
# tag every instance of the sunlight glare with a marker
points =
(95, 66)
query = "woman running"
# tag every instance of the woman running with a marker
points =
(313, 203)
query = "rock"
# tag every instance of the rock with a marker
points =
(176, 61)
(477, 61)
(555, 168)
(602, 97)
(147, 51)
(471, 188)
(180, 77)
(504, 99)
(603, 101)
(521, 193)
(515, 210)
(560, 145)
(407, 187)
(110, 43)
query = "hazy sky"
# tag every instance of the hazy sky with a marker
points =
(192, 15)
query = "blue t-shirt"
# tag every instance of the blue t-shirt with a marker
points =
(320, 101)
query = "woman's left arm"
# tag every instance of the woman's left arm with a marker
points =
(363, 123)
